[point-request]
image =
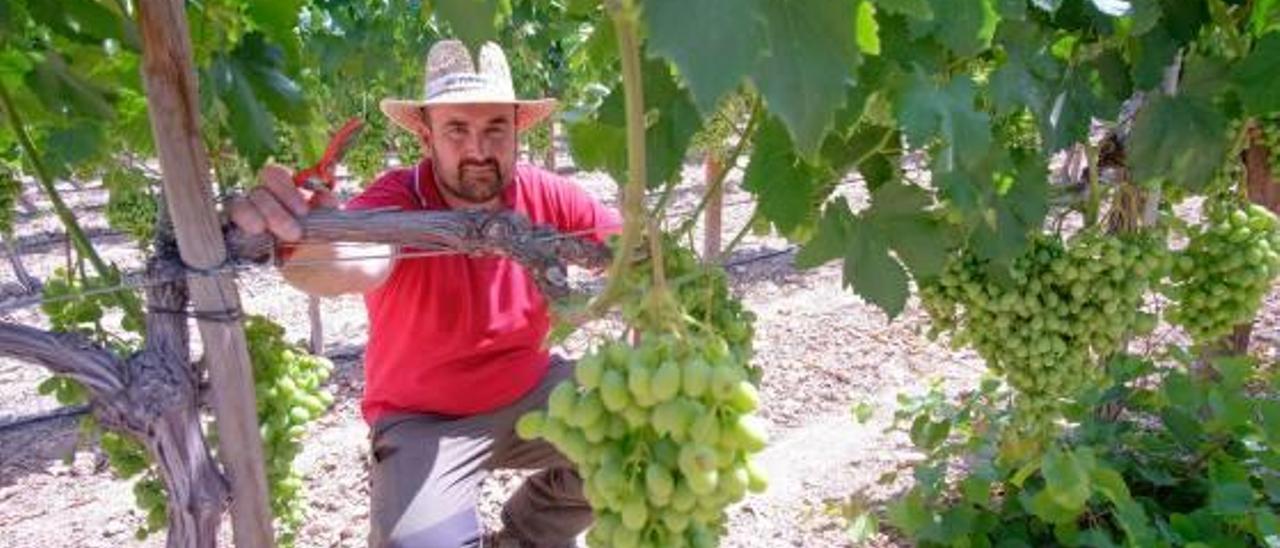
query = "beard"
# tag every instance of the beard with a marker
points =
(476, 182)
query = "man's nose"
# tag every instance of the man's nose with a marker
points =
(476, 147)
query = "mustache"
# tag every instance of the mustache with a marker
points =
(488, 163)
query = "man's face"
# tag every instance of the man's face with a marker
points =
(473, 148)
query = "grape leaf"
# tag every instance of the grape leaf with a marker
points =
(715, 43)
(927, 111)
(968, 26)
(1258, 76)
(64, 92)
(868, 30)
(917, 9)
(262, 64)
(1074, 107)
(671, 121)
(868, 268)
(898, 213)
(252, 127)
(1153, 52)
(789, 189)
(73, 146)
(1182, 139)
(277, 19)
(473, 21)
(811, 57)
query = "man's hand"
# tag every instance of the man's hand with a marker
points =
(274, 205)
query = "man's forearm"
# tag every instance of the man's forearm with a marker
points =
(327, 269)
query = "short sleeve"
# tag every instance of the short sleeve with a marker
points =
(393, 189)
(576, 211)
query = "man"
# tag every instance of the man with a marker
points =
(455, 343)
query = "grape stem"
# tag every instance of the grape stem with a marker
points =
(730, 161)
(625, 20)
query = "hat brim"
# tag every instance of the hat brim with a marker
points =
(408, 114)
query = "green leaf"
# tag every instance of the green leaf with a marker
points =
(862, 412)
(967, 28)
(1072, 111)
(868, 268)
(898, 213)
(916, 9)
(86, 21)
(1028, 75)
(64, 92)
(862, 528)
(976, 490)
(868, 30)
(789, 190)
(1258, 76)
(671, 120)
(927, 111)
(277, 19)
(596, 146)
(252, 127)
(263, 64)
(714, 43)
(811, 57)
(1270, 411)
(1267, 527)
(1005, 216)
(473, 21)
(1046, 507)
(65, 149)
(1067, 478)
(1231, 498)
(1182, 139)
(1264, 16)
(910, 513)
(1152, 55)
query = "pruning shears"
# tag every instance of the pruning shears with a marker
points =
(320, 177)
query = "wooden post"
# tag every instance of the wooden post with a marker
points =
(174, 110)
(317, 327)
(714, 214)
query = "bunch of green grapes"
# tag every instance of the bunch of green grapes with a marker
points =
(288, 382)
(661, 434)
(1065, 307)
(663, 431)
(131, 208)
(1220, 279)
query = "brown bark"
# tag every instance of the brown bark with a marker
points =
(151, 396)
(542, 250)
(173, 108)
(28, 282)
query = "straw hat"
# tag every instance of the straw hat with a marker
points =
(452, 78)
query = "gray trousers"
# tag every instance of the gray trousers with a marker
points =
(427, 471)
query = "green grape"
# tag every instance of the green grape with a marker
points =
(288, 382)
(661, 437)
(1065, 308)
(1225, 271)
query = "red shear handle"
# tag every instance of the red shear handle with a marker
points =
(321, 175)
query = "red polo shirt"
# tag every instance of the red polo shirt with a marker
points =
(457, 335)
